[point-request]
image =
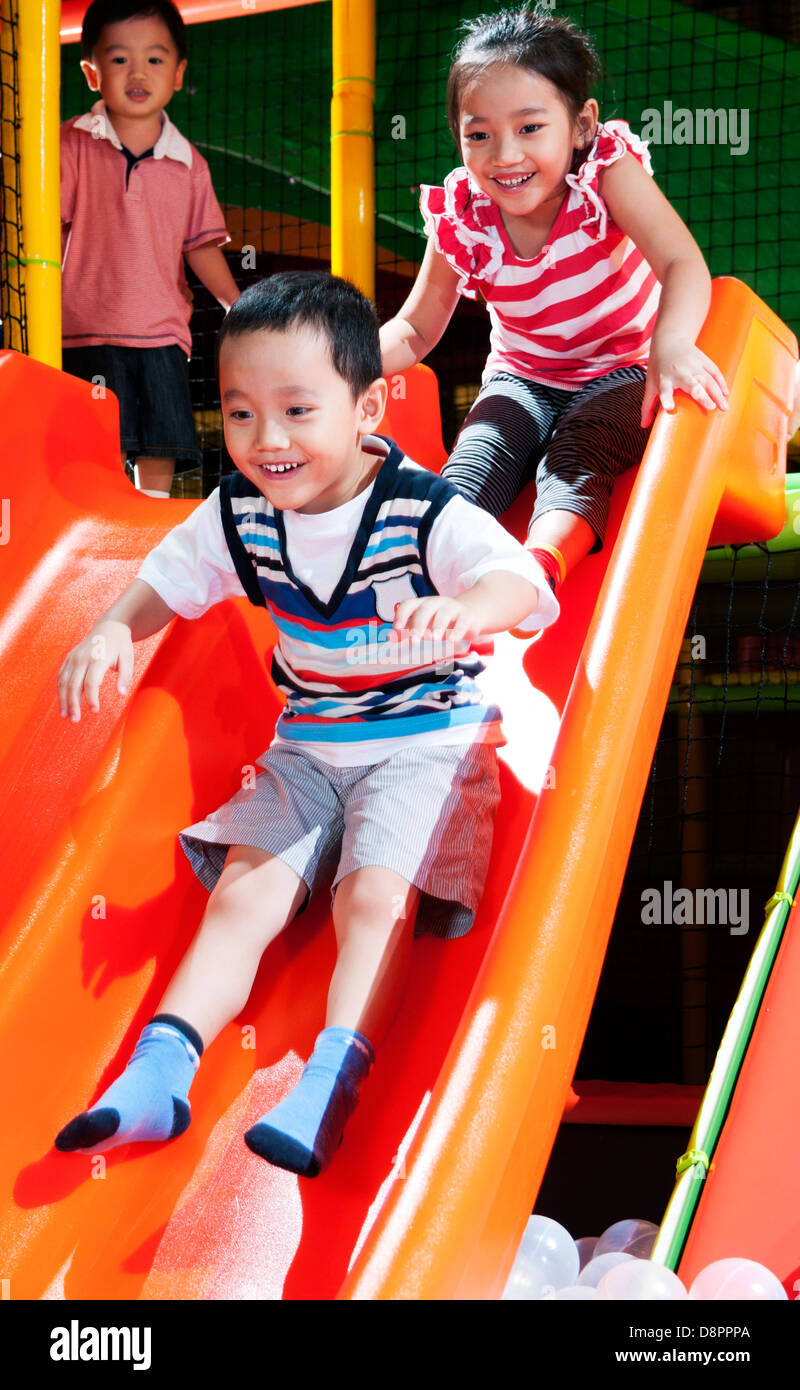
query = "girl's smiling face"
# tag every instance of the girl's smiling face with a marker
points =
(518, 139)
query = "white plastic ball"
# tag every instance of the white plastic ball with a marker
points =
(622, 1234)
(585, 1247)
(641, 1281)
(596, 1268)
(738, 1279)
(547, 1260)
(642, 1247)
(577, 1293)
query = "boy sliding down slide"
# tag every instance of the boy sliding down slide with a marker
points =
(382, 581)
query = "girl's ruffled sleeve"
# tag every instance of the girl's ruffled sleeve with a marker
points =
(612, 141)
(458, 218)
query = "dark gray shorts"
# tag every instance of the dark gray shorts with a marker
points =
(155, 405)
(427, 813)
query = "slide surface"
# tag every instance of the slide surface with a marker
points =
(440, 1165)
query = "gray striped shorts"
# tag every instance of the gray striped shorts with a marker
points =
(574, 443)
(427, 813)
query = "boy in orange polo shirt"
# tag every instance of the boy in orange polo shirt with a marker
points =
(136, 198)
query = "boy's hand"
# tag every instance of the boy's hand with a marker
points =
(678, 365)
(109, 644)
(436, 617)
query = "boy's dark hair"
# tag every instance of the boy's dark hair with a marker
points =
(325, 302)
(103, 12)
(532, 38)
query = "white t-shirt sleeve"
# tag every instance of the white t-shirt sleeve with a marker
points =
(465, 543)
(191, 568)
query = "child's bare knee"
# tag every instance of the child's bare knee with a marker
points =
(243, 906)
(242, 927)
(374, 901)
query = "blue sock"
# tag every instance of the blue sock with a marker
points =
(303, 1132)
(149, 1100)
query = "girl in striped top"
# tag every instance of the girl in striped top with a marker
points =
(595, 288)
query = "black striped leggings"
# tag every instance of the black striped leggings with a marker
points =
(574, 443)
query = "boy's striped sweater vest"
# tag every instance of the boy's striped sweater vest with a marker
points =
(346, 676)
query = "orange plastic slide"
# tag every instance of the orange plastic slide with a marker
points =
(440, 1166)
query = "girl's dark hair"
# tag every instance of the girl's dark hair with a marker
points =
(331, 305)
(530, 38)
(103, 12)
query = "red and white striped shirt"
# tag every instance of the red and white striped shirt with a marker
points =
(584, 306)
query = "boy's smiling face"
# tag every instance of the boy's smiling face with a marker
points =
(291, 424)
(135, 67)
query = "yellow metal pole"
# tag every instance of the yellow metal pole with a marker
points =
(352, 143)
(11, 286)
(39, 59)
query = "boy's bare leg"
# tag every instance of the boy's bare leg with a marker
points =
(373, 912)
(154, 475)
(254, 898)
